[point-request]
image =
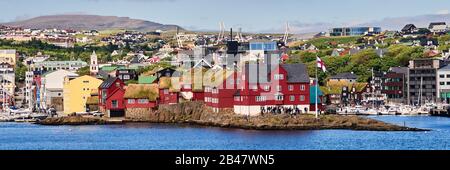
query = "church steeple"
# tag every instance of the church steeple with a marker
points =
(94, 64)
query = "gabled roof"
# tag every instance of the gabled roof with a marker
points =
(108, 82)
(435, 23)
(345, 76)
(108, 68)
(297, 73)
(147, 79)
(409, 27)
(447, 67)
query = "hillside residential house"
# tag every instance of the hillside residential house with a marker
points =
(438, 27)
(111, 97)
(8, 56)
(126, 74)
(77, 91)
(409, 29)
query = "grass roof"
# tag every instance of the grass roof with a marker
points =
(142, 91)
(335, 87)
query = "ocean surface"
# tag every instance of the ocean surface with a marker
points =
(25, 136)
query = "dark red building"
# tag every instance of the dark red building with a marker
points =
(111, 97)
(258, 87)
(168, 93)
(281, 85)
(141, 96)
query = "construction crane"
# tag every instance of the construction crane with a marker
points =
(286, 33)
(221, 36)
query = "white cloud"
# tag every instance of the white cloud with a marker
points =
(443, 12)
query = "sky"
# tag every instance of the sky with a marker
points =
(251, 15)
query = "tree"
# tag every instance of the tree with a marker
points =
(84, 71)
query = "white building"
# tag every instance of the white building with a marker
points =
(52, 89)
(443, 85)
(29, 89)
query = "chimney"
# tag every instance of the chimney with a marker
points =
(231, 34)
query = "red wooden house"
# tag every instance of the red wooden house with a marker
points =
(141, 96)
(220, 89)
(111, 97)
(192, 87)
(168, 91)
(265, 85)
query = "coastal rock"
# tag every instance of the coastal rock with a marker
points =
(72, 120)
(197, 114)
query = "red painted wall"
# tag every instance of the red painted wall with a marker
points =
(170, 98)
(109, 92)
(117, 95)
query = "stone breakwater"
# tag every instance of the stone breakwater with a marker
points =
(197, 114)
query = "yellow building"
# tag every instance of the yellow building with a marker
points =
(8, 56)
(77, 91)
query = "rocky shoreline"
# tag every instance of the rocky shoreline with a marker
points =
(195, 113)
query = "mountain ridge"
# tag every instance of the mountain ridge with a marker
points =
(90, 22)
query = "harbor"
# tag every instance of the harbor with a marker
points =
(148, 136)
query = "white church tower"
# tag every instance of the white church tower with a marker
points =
(94, 64)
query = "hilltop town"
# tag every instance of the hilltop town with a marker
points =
(130, 74)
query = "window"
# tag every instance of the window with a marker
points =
(279, 88)
(448, 75)
(291, 88)
(260, 98)
(442, 83)
(302, 98)
(130, 101)
(254, 87)
(143, 101)
(292, 98)
(126, 77)
(115, 104)
(279, 97)
(302, 87)
(442, 76)
(279, 77)
(448, 83)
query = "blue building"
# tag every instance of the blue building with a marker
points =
(354, 31)
(263, 45)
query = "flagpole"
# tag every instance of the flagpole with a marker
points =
(317, 84)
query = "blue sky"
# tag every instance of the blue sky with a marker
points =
(251, 15)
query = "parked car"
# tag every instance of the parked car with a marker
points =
(98, 114)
